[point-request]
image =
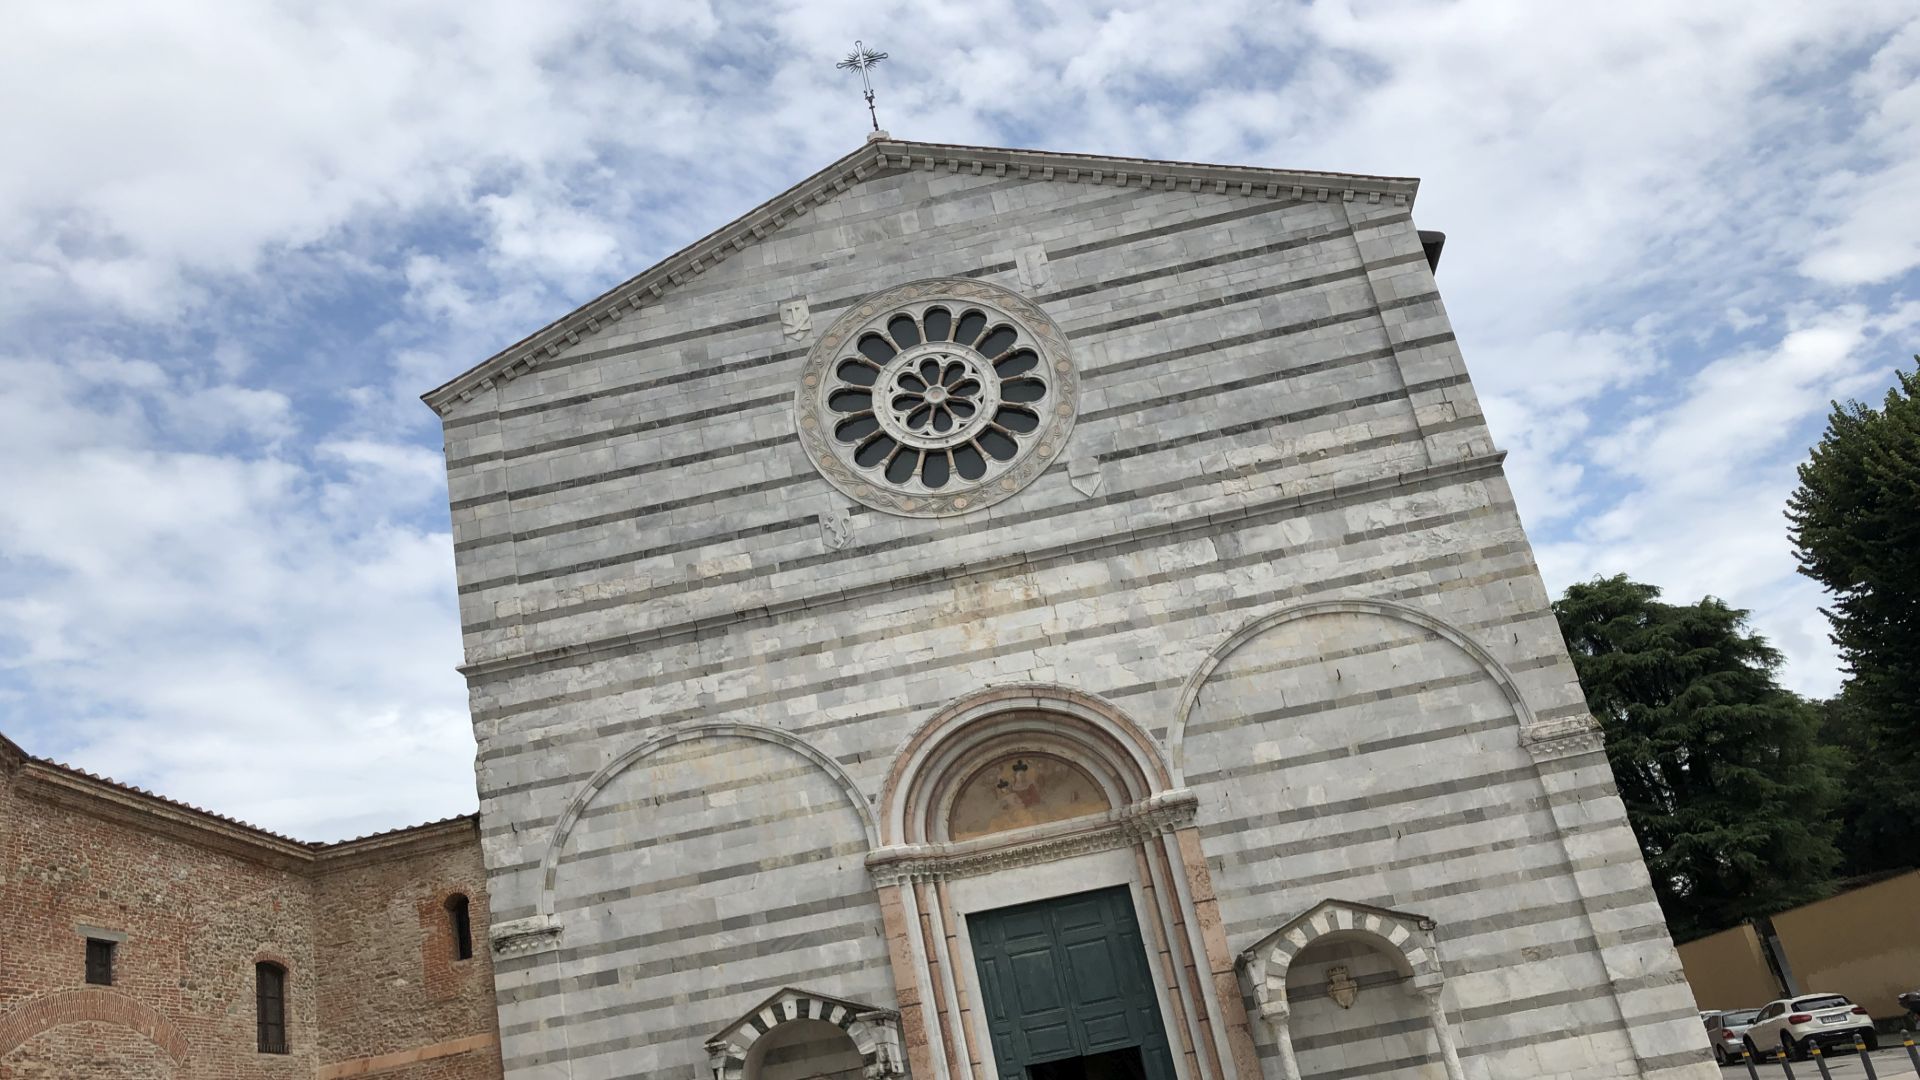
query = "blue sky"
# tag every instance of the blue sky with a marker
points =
(237, 241)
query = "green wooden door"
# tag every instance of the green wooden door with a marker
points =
(1068, 978)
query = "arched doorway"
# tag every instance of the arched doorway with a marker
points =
(1050, 808)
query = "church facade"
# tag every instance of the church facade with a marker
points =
(991, 613)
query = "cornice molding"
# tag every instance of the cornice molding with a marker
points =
(881, 157)
(1164, 812)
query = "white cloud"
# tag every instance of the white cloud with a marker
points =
(246, 235)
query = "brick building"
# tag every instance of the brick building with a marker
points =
(138, 933)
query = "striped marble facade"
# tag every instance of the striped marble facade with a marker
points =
(1279, 538)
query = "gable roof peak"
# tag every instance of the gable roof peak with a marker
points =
(880, 154)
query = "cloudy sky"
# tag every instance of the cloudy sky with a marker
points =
(238, 239)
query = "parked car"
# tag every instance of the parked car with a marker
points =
(1910, 1001)
(1725, 1030)
(1797, 1024)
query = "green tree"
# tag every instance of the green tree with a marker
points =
(1726, 782)
(1855, 526)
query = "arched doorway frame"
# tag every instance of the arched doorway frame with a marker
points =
(1145, 840)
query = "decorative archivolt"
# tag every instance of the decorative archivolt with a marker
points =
(931, 767)
(1549, 739)
(875, 1032)
(541, 930)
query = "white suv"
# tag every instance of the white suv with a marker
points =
(1796, 1024)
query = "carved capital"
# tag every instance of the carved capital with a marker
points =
(1135, 823)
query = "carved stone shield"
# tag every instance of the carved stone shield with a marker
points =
(1341, 987)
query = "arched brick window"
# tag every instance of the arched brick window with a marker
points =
(461, 926)
(270, 1006)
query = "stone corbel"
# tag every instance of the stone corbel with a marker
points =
(1563, 738)
(535, 933)
(876, 1034)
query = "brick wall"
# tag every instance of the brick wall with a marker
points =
(193, 901)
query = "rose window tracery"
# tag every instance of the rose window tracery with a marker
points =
(938, 397)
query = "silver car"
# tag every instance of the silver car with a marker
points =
(1725, 1030)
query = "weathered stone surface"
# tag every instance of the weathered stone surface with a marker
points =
(1273, 415)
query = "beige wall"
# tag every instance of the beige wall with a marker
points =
(1728, 970)
(1864, 943)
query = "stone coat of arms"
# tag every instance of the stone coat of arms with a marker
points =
(1341, 987)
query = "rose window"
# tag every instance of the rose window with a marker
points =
(937, 398)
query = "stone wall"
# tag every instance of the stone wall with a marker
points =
(194, 901)
(1273, 412)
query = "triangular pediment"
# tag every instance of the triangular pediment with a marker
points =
(883, 156)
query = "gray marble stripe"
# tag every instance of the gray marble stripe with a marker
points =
(1380, 834)
(738, 407)
(642, 386)
(1345, 701)
(939, 572)
(692, 937)
(1119, 626)
(1231, 386)
(1438, 789)
(638, 427)
(1239, 213)
(1300, 761)
(748, 991)
(693, 1034)
(1512, 1007)
(1409, 301)
(709, 626)
(1409, 527)
(1228, 431)
(1525, 807)
(577, 981)
(656, 886)
(1675, 1060)
(1213, 303)
(706, 458)
(826, 557)
(656, 802)
(696, 458)
(1306, 238)
(1218, 344)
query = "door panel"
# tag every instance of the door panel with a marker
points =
(1066, 978)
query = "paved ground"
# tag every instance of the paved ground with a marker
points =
(1889, 1061)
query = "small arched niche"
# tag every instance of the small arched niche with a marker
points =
(1351, 985)
(805, 1050)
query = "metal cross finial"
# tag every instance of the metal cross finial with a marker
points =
(862, 59)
